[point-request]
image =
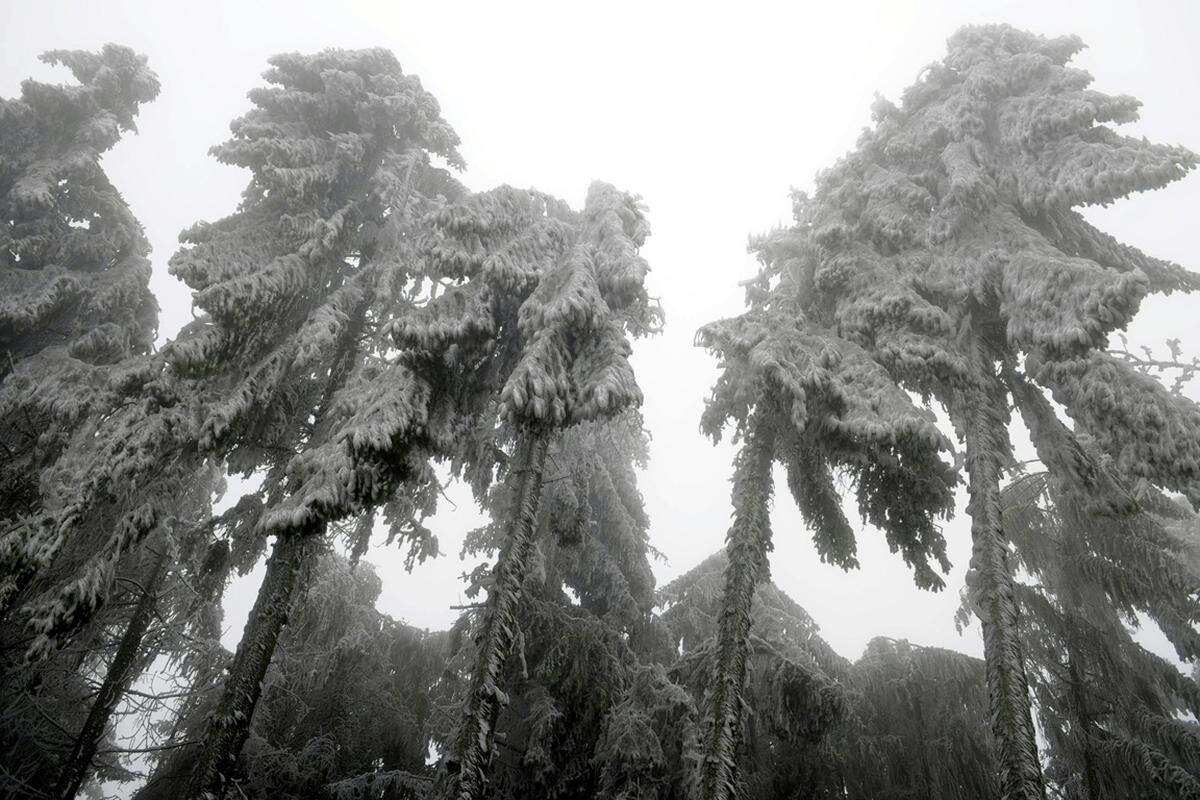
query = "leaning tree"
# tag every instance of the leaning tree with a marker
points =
(801, 395)
(949, 243)
(584, 294)
(585, 622)
(74, 273)
(796, 691)
(1104, 554)
(289, 361)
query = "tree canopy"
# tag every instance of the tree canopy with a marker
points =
(368, 327)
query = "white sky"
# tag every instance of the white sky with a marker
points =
(710, 113)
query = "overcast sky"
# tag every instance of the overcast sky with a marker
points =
(711, 115)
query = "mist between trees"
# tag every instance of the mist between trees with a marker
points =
(365, 325)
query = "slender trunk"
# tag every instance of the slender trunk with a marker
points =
(473, 748)
(293, 555)
(747, 545)
(79, 762)
(994, 600)
(229, 725)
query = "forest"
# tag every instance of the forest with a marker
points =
(366, 327)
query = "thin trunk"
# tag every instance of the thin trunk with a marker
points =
(747, 545)
(229, 726)
(79, 763)
(293, 556)
(473, 749)
(994, 600)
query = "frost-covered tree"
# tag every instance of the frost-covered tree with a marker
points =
(352, 698)
(290, 360)
(917, 726)
(59, 713)
(74, 296)
(73, 267)
(584, 627)
(821, 405)
(1102, 556)
(583, 282)
(949, 243)
(903, 721)
(795, 690)
(349, 696)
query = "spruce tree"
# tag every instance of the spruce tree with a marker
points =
(73, 267)
(74, 296)
(795, 690)
(59, 713)
(917, 726)
(820, 404)
(584, 624)
(348, 699)
(585, 294)
(949, 243)
(298, 287)
(1104, 554)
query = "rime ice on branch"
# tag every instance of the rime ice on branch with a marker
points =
(947, 244)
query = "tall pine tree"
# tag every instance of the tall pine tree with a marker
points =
(586, 295)
(74, 295)
(1103, 554)
(948, 243)
(820, 404)
(298, 285)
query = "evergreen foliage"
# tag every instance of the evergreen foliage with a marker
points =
(918, 726)
(794, 693)
(1103, 556)
(73, 267)
(585, 294)
(298, 287)
(349, 696)
(74, 294)
(363, 321)
(948, 243)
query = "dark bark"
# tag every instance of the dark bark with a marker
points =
(78, 764)
(747, 545)
(292, 557)
(229, 725)
(994, 601)
(466, 774)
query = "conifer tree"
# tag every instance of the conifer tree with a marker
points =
(818, 403)
(59, 713)
(347, 702)
(795, 687)
(298, 286)
(74, 296)
(132, 654)
(948, 243)
(584, 625)
(73, 268)
(917, 726)
(1103, 555)
(585, 288)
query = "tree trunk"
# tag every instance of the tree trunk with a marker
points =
(229, 725)
(292, 556)
(120, 671)
(747, 545)
(466, 778)
(994, 601)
